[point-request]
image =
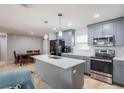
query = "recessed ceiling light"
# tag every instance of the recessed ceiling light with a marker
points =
(32, 33)
(54, 28)
(96, 15)
(69, 24)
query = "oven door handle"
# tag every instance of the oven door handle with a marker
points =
(104, 60)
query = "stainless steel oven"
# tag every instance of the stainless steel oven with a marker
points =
(102, 65)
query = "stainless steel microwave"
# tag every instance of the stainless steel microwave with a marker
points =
(104, 41)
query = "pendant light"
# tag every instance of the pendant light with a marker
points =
(45, 36)
(60, 32)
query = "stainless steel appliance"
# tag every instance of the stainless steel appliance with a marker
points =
(104, 41)
(67, 49)
(102, 65)
(57, 47)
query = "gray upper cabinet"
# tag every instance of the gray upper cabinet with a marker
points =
(97, 31)
(68, 36)
(108, 29)
(90, 36)
(114, 27)
(119, 32)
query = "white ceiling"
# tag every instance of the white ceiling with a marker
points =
(21, 20)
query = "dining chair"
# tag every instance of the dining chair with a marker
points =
(29, 51)
(15, 57)
(36, 52)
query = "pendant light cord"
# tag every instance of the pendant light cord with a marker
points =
(60, 23)
(45, 25)
(60, 15)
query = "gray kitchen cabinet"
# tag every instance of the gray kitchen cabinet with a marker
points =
(97, 31)
(118, 72)
(59, 78)
(119, 32)
(78, 76)
(90, 35)
(68, 36)
(87, 67)
(114, 27)
(108, 29)
(86, 64)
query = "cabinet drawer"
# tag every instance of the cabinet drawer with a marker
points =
(118, 62)
(74, 56)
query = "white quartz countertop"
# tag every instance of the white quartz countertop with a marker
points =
(63, 62)
(121, 58)
(78, 54)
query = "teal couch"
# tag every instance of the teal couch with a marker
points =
(22, 77)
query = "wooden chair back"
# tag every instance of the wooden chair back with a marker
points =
(15, 55)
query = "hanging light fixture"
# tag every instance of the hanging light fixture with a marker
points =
(46, 36)
(60, 32)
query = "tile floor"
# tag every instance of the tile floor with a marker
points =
(89, 83)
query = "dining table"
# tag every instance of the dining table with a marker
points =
(26, 57)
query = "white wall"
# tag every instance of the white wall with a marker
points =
(45, 46)
(3, 46)
(22, 43)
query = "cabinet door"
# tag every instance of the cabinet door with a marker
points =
(108, 29)
(87, 67)
(118, 73)
(97, 31)
(119, 33)
(90, 36)
(78, 76)
(69, 37)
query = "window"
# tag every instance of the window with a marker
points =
(81, 43)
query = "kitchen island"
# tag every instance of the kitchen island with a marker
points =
(60, 72)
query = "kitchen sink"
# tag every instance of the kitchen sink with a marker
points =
(54, 57)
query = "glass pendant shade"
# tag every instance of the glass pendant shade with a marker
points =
(45, 36)
(60, 34)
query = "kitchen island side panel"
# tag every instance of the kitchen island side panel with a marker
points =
(61, 78)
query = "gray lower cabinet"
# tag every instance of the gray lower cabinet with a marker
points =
(87, 67)
(87, 63)
(118, 72)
